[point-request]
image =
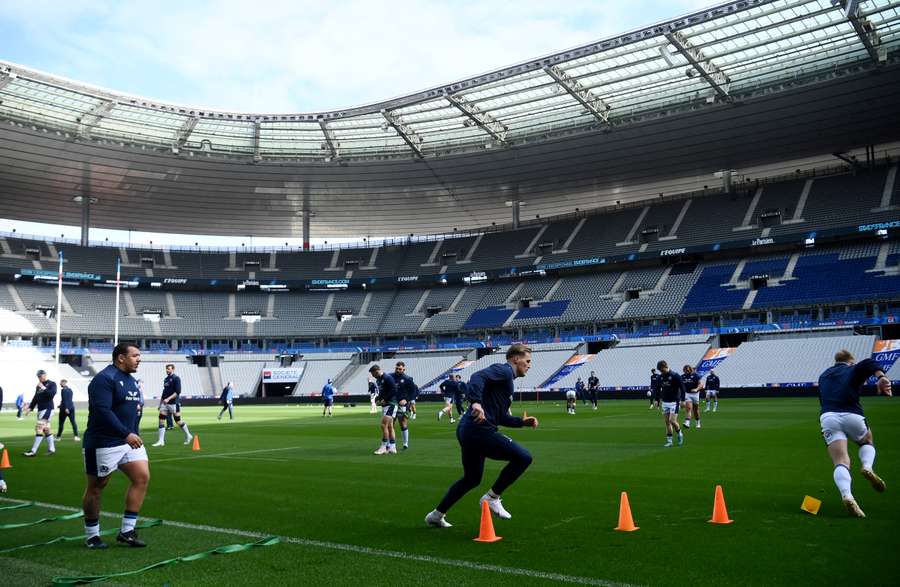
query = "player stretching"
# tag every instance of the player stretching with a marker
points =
(328, 399)
(572, 396)
(43, 400)
(387, 398)
(692, 387)
(449, 390)
(111, 442)
(671, 393)
(168, 406)
(712, 389)
(841, 416)
(490, 393)
(407, 390)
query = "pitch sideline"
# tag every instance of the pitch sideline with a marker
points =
(530, 573)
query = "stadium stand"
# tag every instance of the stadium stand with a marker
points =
(316, 372)
(784, 361)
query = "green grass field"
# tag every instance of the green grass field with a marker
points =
(349, 517)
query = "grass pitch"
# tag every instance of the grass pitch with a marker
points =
(350, 517)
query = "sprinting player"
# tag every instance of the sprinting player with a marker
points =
(490, 394)
(459, 396)
(112, 442)
(66, 410)
(387, 398)
(328, 399)
(593, 388)
(44, 393)
(712, 389)
(572, 397)
(841, 417)
(654, 388)
(407, 390)
(227, 399)
(448, 390)
(671, 394)
(373, 394)
(692, 387)
(20, 405)
(168, 406)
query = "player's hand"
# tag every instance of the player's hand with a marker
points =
(402, 402)
(134, 441)
(530, 422)
(477, 413)
(884, 386)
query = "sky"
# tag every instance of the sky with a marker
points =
(283, 56)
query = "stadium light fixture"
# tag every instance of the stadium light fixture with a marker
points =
(479, 117)
(864, 29)
(412, 140)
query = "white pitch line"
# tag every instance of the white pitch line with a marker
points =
(224, 454)
(449, 562)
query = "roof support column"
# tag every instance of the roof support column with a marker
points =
(306, 217)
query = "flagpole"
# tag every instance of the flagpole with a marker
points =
(59, 304)
(118, 288)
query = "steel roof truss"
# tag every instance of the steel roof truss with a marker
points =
(864, 28)
(714, 76)
(412, 140)
(479, 117)
(93, 116)
(594, 104)
(181, 137)
(330, 141)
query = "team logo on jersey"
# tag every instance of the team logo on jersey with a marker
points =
(122, 383)
(104, 469)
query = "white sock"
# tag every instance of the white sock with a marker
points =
(867, 456)
(162, 434)
(129, 521)
(716, 405)
(842, 480)
(37, 443)
(91, 528)
(51, 442)
(187, 433)
(405, 436)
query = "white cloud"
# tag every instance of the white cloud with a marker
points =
(282, 56)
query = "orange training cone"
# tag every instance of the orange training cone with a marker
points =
(196, 445)
(486, 534)
(720, 512)
(4, 460)
(626, 523)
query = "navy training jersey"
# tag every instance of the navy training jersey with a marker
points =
(839, 386)
(449, 387)
(671, 387)
(65, 399)
(691, 382)
(113, 399)
(373, 388)
(593, 382)
(172, 384)
(579, 386)
(43, 399)
(654, 383)
(712, 382)
(406, 387)
(387, 389)
(493, 388)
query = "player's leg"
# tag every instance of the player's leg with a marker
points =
(138, 473)
(385, 434)
(161, 431)
(716, 402)
(688, 410)
(62, 424)
(90, 504)
(696, 408)
(412, 407)
(324, 408)
(230, 410)
(38, 439)
(74, 426)
(867, 457)
(184, 428)
(404, 429)
(473, 470)
(502, 448)
(667, 420)
(222, 412)
(836, 441)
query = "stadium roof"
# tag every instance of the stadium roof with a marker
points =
(744, 83)
(723, 54)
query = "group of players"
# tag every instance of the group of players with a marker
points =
(112, 442)
(670, 391)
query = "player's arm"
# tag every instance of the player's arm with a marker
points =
(869, 368)
(474, 391)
